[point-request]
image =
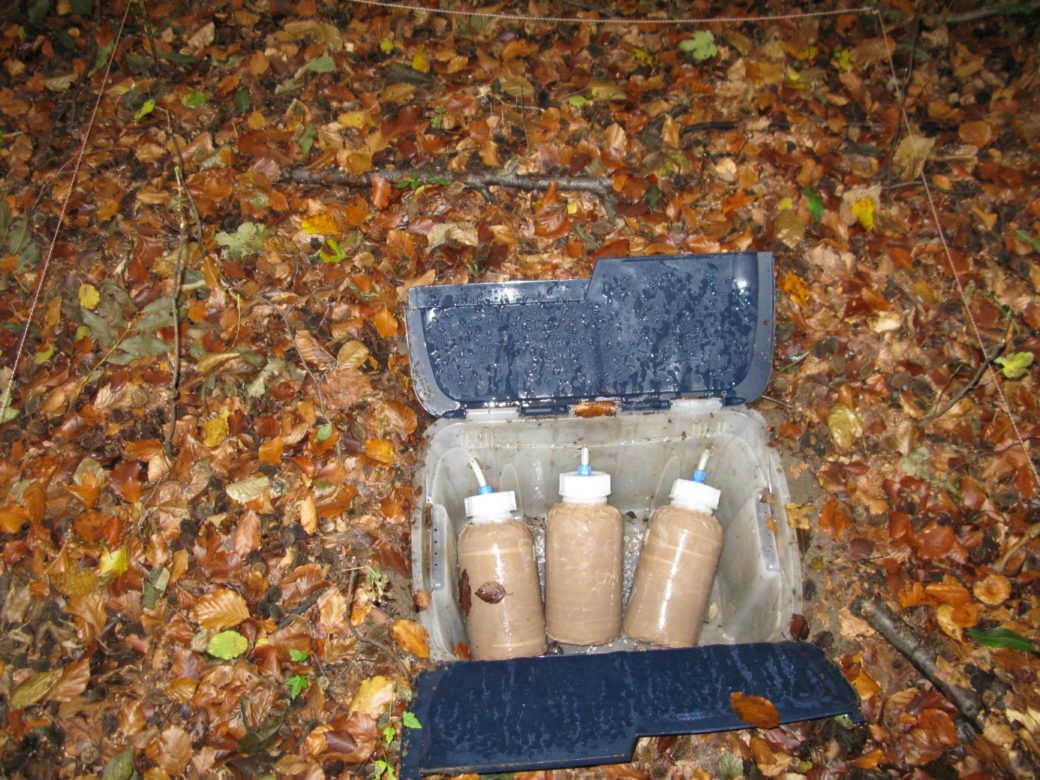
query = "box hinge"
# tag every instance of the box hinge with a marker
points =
(650, 403)
(543, 409)
(489, 413)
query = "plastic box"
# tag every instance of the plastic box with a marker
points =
(680, 343)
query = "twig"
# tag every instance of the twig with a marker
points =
(178, 275)
(366, 640)
(1027, 538)
(967, 388)
(8, 393)
(478, 181)
(311, 374)
(907, 641)
(150, 31)
(904, 639)
(984, 13)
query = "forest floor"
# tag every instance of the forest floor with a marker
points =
(210, 438)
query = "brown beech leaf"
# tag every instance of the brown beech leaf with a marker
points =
(465, 594)
(171, 750)
(74, 680)
(301, 582)
(310, 349)
(492, 592)
(411, 637)
(247, 534)
(381, 190)
(754, 710)
(221, 609)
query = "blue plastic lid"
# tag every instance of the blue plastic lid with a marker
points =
(641, 330)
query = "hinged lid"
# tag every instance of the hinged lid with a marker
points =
(641, 330)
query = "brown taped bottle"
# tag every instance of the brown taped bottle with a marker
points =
(498, 579)
(677, 566)
(584, 555)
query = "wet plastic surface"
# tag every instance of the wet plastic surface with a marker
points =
(567, 711)
(651, 328)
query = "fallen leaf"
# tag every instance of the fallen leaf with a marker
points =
(373, 696)
(215, 430)
(227, 645)
(34, 689)
(411, 637)
(89, 297)
(385, 323)
(223, 608)
(908, 161)
(754, 710)
(993, 589)
(380, 450)
(246, 490)
(845, 425)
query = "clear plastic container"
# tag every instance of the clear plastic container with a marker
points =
(758, 583)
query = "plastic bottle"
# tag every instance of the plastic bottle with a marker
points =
(677, 566)
(584, 555)
(498, 578)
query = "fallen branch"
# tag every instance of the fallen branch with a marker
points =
(908, 641)
(995, 10)
(904, 639)
(967, 388)
(478, 181)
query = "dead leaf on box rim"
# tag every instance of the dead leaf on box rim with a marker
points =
(754, 710)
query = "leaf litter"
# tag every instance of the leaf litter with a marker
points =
(253, 577)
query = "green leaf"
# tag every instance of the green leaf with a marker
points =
(120, 766)
(247, 240)
(410, 721)
(389, 733)
(101, 59)
(258, 387)
(194, 99)
(299, 656)
(814, 204)
(701, 46)
(146, 108)
(136, 63)
(297, 684)
(43, 355)
(384, 770)
(137, 347)
(9, 414)
(1015, 365)
(578, 101)
(306, 139)
(177, 58)
(154, 587)
(82, 7)
(322, 64)
(242, 99)
(34, 688)
(227, 645)
(38, 10)
(386, 45)
(324, 431)
(336, 255)
(1025, 238)
(1001, 638)
(99, 326)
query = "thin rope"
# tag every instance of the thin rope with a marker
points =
(5, 399)
(613, 19)
(1005, 406)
